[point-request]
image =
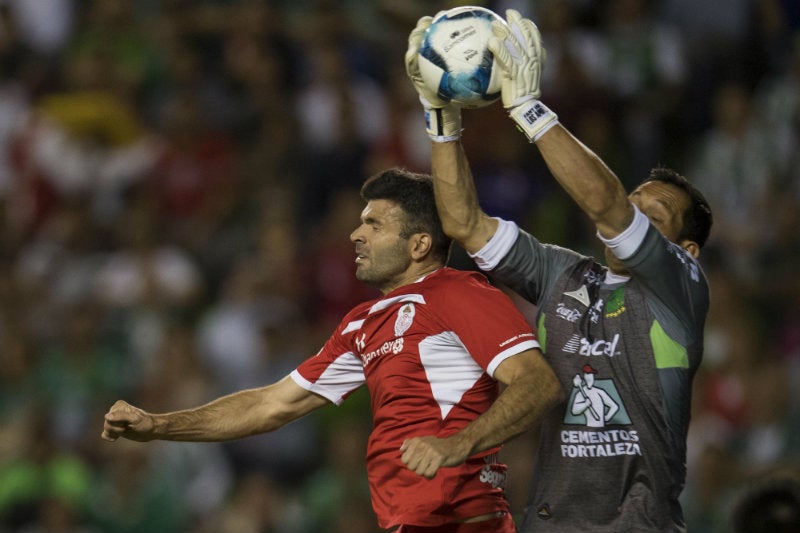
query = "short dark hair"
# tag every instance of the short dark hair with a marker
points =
(697, 218)
(413, 192)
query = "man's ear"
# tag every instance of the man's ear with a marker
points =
(691, 247)
(421, 244)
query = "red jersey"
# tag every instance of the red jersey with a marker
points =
(427, 352)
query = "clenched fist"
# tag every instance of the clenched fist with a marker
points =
(125, 420)
(426, 455)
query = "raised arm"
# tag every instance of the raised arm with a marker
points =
(456, 198)
(241, 414)
(585, 177)
(531, 390)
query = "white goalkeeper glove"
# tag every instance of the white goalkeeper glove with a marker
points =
(442, 119)
(517, 49)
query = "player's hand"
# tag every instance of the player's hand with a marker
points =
(415, 38)
(442, 119)
(517, 48)
(577, 380)
(426, 455)
(125, 420)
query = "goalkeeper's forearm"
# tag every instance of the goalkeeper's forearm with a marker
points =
(587, 179)
(456, 197)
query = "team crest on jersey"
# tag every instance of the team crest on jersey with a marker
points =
(615, 305)
(405, 317)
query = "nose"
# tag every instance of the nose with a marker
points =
(356, 235)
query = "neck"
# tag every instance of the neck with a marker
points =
(427, 270)
(410, 276)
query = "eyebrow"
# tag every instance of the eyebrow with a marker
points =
(664, 204)
(660, 201)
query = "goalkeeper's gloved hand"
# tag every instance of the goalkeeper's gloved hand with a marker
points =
(442, 119)
(517, 49)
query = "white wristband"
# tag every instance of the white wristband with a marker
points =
(533, 118)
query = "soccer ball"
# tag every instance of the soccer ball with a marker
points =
(454, 59)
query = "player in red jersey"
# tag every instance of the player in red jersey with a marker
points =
(431, 351)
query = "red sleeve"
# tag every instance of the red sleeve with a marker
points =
(335, 371)
(487, 322)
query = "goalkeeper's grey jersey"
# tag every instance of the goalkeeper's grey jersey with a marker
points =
(612, 456)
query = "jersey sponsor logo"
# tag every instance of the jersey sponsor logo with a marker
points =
(596, 404)
(610, 443)
(570, 314)
(394, 347)
(493, 477)
(404, 320)
(489, 474)
(608, 436)
(583, 346)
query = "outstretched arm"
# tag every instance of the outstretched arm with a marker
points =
(532, 389)
(462, 218)
(236, 415)
(587, 179)
(584, 176)
(456, 198)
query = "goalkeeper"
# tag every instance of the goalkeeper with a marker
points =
(638, 318)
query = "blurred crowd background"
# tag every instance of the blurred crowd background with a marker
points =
(179, 178)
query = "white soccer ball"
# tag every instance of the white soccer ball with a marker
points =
(454, 59)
